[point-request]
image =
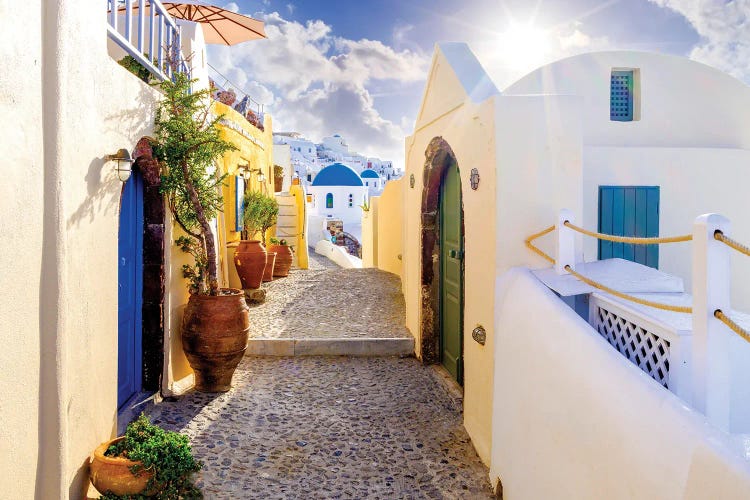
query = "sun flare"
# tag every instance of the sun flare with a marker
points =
(523, 46)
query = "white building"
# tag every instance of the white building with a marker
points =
(373, 182)
(337, 193)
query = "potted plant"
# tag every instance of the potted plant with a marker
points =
(146, 461)
(215, 324)
(284, 257)
(278, 178)
(260, 213)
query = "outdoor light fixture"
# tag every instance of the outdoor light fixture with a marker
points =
(124, 163)
(411, 181)
(474, 179)
(246, 172)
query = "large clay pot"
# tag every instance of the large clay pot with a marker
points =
(113, 473)
(214, 337)
(278, 184)
(268, 272)
(250, 261)
(283, 259)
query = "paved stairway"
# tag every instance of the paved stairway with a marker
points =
(329, 427)
(327, 310)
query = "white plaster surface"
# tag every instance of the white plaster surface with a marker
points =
(337, 254)
(574, 419)
(618, 274)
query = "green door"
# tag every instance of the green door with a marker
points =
(451, 274)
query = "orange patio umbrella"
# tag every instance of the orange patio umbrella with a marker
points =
(220, 26)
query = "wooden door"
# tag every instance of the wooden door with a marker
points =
(130, 290)
(451, 274)
(629, 211)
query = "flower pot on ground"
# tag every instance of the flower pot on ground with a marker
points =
(146, 461)
(268, 272)
(214, 336)
(188, 143)
(250, 262)
(278, 178)
(260, 213)
(284, 257)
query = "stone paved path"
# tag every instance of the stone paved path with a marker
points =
(327, 301)
(329, 427)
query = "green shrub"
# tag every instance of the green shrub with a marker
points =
(167, 453)
(260, 213)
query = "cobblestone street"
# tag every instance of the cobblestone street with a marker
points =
(330, 426)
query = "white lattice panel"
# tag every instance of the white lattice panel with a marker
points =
(646, 350)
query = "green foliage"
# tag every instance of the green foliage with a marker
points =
(132, 65)
(365, 206)
(188, 143)
(197, 273)
(278, 171)
(275, 241)
(260, 213)
(167, 453)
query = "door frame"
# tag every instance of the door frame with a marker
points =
(438, 157)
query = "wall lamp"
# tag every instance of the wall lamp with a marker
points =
(124, 163)
(246, 172)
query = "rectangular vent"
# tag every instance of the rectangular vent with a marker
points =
(621, 96)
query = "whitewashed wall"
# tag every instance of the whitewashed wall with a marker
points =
(341, 209)
(573, 419)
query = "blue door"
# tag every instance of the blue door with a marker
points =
(130, 287)
(629, 211)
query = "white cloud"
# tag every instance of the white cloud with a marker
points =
(724, 27)
(318, 83)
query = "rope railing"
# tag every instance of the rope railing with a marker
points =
(719, 314)
(537, 250)
(628, 239)
(733, 244)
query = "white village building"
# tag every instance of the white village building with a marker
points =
(337, 192)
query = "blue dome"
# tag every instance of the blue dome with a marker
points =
(369, 174)
(337, 175)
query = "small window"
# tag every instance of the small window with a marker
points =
(622, 95)
(329, 200)
(367, 183)
(351, 200)
(309, 177)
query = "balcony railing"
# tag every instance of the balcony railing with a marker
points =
(151, 37)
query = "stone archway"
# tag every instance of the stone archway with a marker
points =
(154, 216)
(438, 157)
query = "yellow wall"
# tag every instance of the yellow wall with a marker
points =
(390, 224)
(370, 235)
(469, 130)
(301, 248)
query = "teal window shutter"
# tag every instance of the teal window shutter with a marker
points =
(329, 200)
(621, 96)
(629, 211)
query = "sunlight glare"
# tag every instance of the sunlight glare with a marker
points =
(523, 46)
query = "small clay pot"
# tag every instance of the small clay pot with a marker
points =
(268, 272)
(113, 473)
(284, 258)
(214, 337)
(250, 261)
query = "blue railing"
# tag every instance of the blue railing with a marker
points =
(153, 38)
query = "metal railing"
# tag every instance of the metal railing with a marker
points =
(240, 94)
(153, 38)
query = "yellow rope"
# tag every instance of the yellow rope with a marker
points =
(536, 250)
(718, 235)
(627, 239)
(657, 305)
(718, 314)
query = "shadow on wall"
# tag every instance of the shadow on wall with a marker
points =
(103, 188)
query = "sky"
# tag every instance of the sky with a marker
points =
(358, 67)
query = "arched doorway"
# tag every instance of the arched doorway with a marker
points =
(442, 241)
(130, 290)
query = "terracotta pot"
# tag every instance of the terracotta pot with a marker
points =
(283, 259)
(278, 184)
(113, 473)
(268, 272)
(214, 337)
(250, 261)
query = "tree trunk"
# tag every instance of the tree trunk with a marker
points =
(208, 237)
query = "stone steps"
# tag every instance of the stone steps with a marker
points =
(330, 347)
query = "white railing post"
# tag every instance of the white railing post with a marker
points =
(711, 291)
(565, 249)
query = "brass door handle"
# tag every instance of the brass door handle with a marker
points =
(456, 254)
